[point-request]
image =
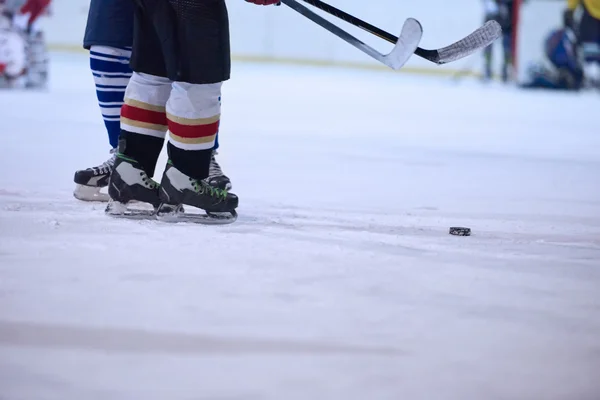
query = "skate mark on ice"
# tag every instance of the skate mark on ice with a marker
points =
(343, 233)
(567, 231)
(10, 193)
(426, 208)
(426, 236)
(369, 245)
(58, 336)
(412, 212)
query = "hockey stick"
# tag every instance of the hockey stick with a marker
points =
(480, 38)
(404, 46)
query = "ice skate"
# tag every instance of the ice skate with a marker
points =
(216, 177)
(178, 189)
(90, 181)
(133, 194)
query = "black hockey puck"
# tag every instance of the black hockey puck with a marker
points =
(460, 231)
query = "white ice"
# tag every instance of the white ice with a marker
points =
(339, 281)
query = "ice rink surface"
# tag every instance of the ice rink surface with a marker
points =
(339, 281)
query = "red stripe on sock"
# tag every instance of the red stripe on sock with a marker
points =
(139, 114)
(193, 131)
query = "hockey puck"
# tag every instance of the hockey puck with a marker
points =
(460, 231)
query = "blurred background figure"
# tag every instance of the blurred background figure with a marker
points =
(501, 11)
(583, 17)
(561, 68)
(23, 52)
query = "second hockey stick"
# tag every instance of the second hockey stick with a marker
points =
(479, 39)
(404, 46)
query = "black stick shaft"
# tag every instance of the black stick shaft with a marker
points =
(336, 12)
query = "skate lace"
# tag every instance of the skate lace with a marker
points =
(107, 166)
(214, 169)
(204, 188)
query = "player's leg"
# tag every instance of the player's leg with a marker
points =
(216, 176)
(143, 129)
(111, 71)
(488, 53)
(193, 114)
(108, 37)
(507, 61)
(143, 119)
(507, 24)
(491, 13)
(589, 38)
(194, 107)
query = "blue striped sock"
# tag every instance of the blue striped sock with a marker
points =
(110, 67)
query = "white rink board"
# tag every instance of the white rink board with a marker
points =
(280, 33)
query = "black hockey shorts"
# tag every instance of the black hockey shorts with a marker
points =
(109, 23)
(183, 40)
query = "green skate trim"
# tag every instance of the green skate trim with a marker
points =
(124, 157)
(203, 187)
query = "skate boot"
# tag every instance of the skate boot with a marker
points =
(89, 182)
(216, 177)
(178, 189)
(133, 194)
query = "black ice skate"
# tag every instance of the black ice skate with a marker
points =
(178, 189)
(90, 181)
(216, 177)
(133, 194)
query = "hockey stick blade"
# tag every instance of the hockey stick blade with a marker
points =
(404, 47)
(479, 39)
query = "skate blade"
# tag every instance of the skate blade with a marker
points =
(171, 214)
(90, 193)
(119, 210)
